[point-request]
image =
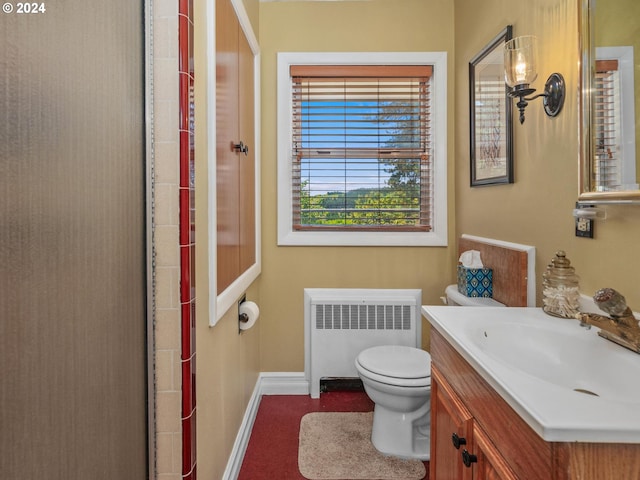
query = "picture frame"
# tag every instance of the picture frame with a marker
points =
(490, 115)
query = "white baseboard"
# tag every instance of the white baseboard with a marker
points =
(283, 383)
(268, 383)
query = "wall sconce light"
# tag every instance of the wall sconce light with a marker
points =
(520, 70)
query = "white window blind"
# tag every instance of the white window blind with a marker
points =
(361, 147)
(607, 126)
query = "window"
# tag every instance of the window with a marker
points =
(607, 125)
(614, 120)
(361, 149)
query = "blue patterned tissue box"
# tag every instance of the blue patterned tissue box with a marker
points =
(475, 282)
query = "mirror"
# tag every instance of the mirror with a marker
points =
(610, 54)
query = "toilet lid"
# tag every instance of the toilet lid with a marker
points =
(396, 361)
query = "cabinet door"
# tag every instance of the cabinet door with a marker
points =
(451, 430)
(490, 465)
(235, 169)
(246, 162)
(227, 171)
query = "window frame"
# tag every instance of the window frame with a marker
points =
(287, 235)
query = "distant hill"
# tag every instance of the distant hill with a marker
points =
(338, 199)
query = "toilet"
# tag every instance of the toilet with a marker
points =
(398, 381)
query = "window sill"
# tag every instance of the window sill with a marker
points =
(363, 239)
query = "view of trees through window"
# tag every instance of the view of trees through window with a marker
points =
(362, 160)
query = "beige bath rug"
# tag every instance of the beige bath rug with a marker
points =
(337, 446)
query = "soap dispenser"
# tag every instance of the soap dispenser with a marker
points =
(561, 288)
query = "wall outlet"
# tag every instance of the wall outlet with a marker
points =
(584, 227)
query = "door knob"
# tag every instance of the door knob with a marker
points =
(468, 458)
(457, 441)
(241, 148)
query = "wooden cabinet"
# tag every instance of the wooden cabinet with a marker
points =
(499, 444)
(235, 150)
(460, 448)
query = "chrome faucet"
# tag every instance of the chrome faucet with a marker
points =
(621, 326)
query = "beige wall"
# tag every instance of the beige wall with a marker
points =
(226, 361)
(227, 370)
(379, 25)
(536, 209)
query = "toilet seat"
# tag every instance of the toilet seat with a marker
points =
(396, 365)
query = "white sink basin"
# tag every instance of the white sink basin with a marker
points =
(566, 357)
(564, 380)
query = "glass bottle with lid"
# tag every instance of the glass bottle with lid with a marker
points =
(560, 288)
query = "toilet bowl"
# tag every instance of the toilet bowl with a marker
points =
(398, 380)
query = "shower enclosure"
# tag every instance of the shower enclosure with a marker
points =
(73, 255)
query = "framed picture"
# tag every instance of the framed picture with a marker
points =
(490, 115)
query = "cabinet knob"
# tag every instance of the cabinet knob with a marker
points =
(241, 148)
(457, 441)
(468, 458)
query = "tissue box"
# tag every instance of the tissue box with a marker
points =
(475, 282)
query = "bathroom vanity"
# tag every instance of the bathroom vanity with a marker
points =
(492, 418)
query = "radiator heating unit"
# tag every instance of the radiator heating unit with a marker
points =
(340, 323)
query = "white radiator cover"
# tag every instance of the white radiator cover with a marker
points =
(340, 323)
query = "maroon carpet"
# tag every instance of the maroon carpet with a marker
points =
(272, 452)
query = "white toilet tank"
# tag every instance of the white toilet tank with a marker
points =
(455, 298)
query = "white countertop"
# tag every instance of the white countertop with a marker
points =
(539, 369)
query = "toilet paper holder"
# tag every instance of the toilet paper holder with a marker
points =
(242, 317)
(248, 314)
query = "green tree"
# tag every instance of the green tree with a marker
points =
(386, 207)
(401, 120)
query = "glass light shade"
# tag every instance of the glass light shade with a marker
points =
(520, 61)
